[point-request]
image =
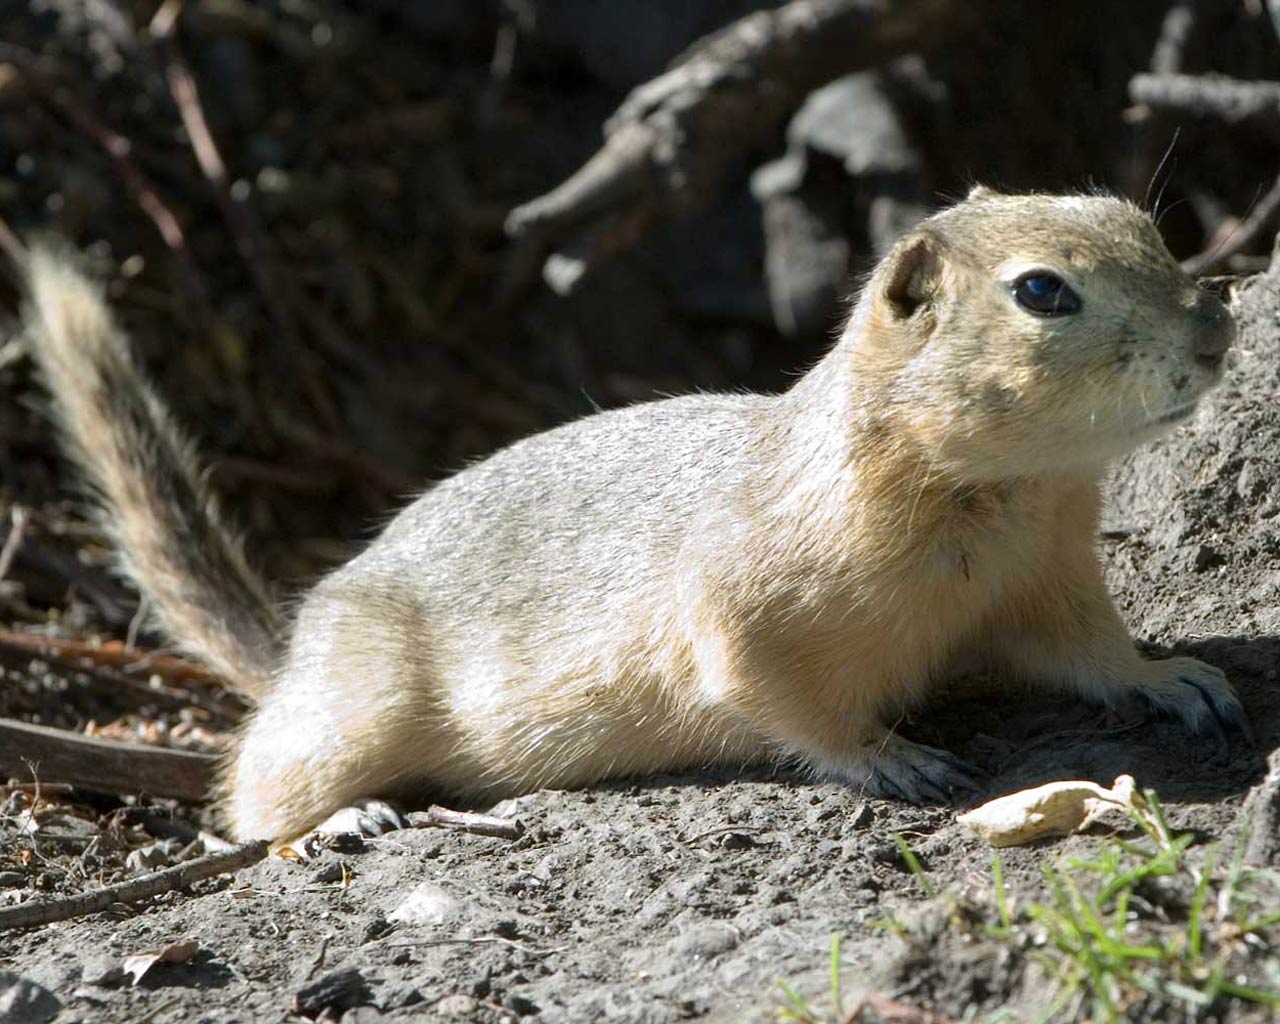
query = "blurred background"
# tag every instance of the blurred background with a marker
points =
(303, 207)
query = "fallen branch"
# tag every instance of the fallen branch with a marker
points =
(672, 138)
(1260, 222)
(110, 654)
(141, 678)
(465, 821)
(1227, 99)
(39, 912)
(103, 766)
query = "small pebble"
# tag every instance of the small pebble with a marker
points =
(426, 904)
(327, 873)
(22, 1001)
(1207, 558)
(736, 841)
(862, 816)
(457, 1005)
(332, 993)
(521, 1006)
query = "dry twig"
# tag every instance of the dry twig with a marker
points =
(466, 821)
(1227, 99)
(39, 912)
(1261, 221)
(111, 654)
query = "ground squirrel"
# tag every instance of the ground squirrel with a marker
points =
(706, 579)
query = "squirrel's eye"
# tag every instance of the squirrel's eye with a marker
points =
(1045, 294)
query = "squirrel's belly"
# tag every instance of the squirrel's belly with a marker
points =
(587, 722)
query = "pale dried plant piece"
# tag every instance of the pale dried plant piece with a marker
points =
(1054, 809)
(138, 964)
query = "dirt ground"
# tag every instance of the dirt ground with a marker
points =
(649, 900)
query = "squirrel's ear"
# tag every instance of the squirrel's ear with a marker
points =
(911, 274)
(981, 192)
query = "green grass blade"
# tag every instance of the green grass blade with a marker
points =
(1002, 897)
(1195, 911)
(913, 863)
(835, 975)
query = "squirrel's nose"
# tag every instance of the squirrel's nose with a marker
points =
(1215, 330)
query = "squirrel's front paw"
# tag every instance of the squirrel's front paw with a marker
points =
(367, 818)
(1196, 694)
(902, 770)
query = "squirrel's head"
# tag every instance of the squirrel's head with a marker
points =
(1012, 335)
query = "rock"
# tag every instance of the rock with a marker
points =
(104, 971)
(709, 262)
(886, 853)
(736, 841)
(332, 993)
(1208, 557)
(426, 904)
(401, 996)
(456, 1005)
(22, 1001)
(376, 927)
(705, 941)
(326, 874)
(851, 182)
(160, 854)
(863, 815)
(521, 1006)
(807, 255)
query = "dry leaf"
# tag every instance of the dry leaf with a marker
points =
(138, 964)
(1055, 809)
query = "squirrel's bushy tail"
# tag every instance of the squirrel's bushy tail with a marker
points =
(156, 501)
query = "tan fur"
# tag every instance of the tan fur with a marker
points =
(717, 579)
(157, 504)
